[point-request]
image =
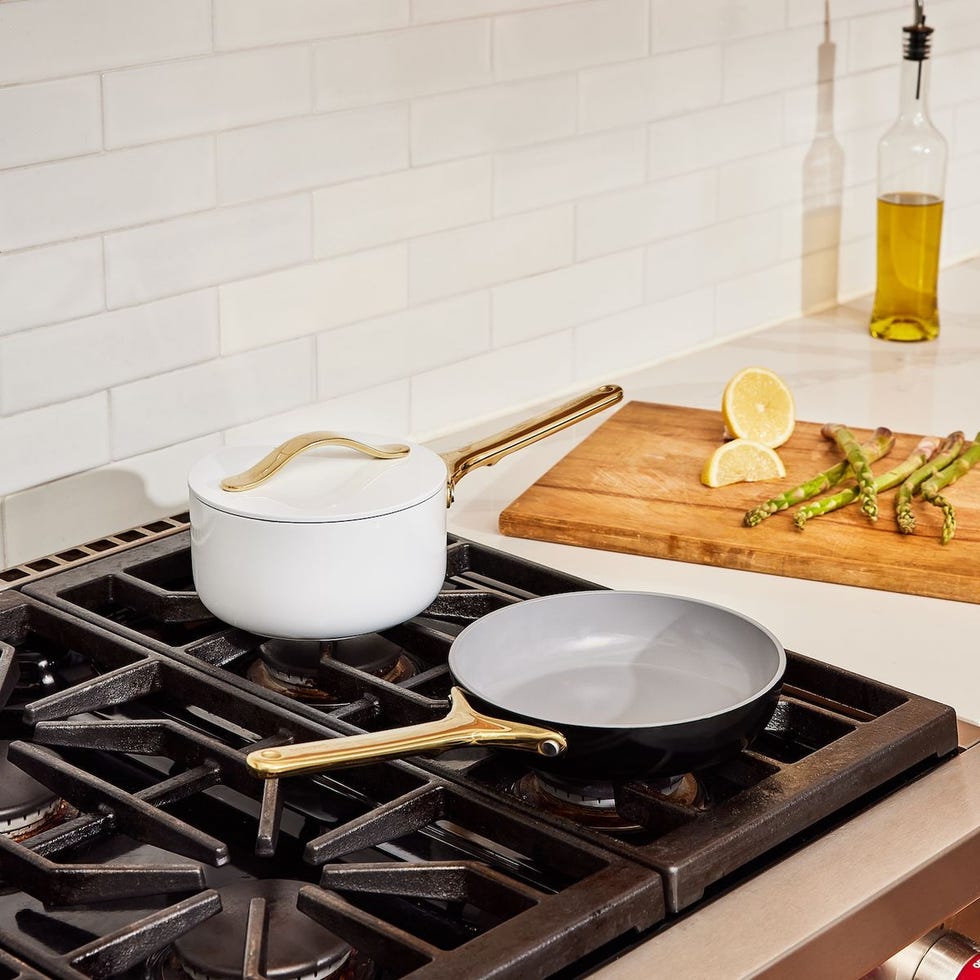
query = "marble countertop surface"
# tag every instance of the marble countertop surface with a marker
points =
(837, 372)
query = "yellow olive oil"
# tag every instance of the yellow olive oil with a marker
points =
(909, 228)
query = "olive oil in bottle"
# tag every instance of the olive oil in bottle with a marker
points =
(911, 184)
(909, 228)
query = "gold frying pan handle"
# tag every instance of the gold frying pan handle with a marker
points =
(462, 726)
(272, 463)
(486, 451)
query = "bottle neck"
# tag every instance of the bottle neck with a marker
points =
(914, 91)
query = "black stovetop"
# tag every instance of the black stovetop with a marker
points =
(134, 710)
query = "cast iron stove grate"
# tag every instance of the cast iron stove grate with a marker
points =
(422, 877)
(835, 737)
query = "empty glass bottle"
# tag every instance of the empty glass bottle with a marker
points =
(911, 186)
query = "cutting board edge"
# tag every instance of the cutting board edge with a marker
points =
(960, 588)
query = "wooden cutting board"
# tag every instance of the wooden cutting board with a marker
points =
(634, 486)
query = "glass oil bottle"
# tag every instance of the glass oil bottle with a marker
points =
(911, 185)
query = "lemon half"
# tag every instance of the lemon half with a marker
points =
(741, 461)
(758, 405)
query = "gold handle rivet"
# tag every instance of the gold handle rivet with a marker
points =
(270, 754)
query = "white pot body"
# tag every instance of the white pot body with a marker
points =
(302, 580)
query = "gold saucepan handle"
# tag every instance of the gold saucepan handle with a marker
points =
(462, 726)
(486, 451)
(272, 463)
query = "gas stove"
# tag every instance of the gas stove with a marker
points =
(135, 842)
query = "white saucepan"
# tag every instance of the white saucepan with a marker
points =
(328, 535)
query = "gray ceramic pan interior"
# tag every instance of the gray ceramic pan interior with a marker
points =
(616, 659)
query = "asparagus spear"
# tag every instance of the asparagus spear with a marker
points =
(880, 445)
(850, 447)
(945, 478)
(948, 451)
(922, 452)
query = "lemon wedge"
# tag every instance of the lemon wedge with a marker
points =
(741, 461)
(758, 405)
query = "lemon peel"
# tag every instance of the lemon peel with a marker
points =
(741, 461)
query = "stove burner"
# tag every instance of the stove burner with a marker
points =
(26, 806)
(292, 667)
(294, 947)
(593, 805)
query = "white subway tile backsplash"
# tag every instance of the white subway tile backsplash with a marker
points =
(397, 65)
(382, 409)
(774, 62)
(392, 207)
(713, 136)
(54, 201)
(759, 298)
(46, 443)
(203, 94)
(809, 230)
(105, 350)
(256, 23)
(857, 266)
(205, 249)
(49, 120)
(490, 383)
(44, 285)
(764, 181)
(309, 298)
(194, 401)
(858, 211)
(493, 118)
(539, 305)
(966, 131)
(481, 255)
(962, 186)
(955, 78)
(801, 12)
(403, 344)
(710, 255)
(957, 25)
(877, 40)
(427, 11)
(278, 157)
(86, 506)
(636, 217)
(859, 102)
(959, 237)
(860, 151)
(541, 175)
(578, 35)
(49, 38)
(644, 334)
(686, 25)
(653, 88)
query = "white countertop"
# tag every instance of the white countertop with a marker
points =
(837, 372)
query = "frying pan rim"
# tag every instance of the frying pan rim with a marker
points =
(774, 681)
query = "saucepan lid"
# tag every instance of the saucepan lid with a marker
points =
(331, 480)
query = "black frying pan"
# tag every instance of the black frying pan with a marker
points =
(600, 685)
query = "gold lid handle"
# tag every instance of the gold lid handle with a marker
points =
(486, 451)
(272, 463)
(462, 726)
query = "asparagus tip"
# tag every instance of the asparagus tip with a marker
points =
(906, 523)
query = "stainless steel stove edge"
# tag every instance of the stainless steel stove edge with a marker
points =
(845, 903)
